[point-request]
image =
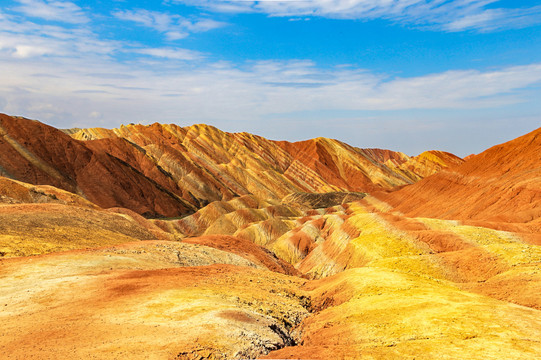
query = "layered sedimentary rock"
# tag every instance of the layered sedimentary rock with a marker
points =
(39, 154)
(321, 200)
(167, 171)
(300, 267)
(212, 165)
(386, 286)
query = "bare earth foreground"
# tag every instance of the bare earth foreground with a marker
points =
(271, 250)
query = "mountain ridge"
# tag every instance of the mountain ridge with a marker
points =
(183, 169)
(501, 184)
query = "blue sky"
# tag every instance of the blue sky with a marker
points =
(409, 75)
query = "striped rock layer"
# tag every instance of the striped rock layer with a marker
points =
(437, 269)
(168, 171)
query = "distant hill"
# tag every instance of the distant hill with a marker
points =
(169, 171)
(502, 183)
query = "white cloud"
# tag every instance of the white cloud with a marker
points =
(61, 11)
(224, 94)
(447, 15)
(152, 19)
(174, 27)
(25, 39)
(496, 19)
(169, 53)
(95, 115)
(24, 51)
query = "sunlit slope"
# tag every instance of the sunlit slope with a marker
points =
(146, 300)
(18, 192)
(386, 314)
(167, 170)
(369, 233)
(40, 219)
(34, 229)
(398, 287)
(291, 250)
(389, 287)
(502, 184)
(211, 165)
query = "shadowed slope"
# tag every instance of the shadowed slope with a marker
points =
(39, 154)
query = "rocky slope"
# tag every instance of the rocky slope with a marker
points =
(502, 184)
(385, 286)
(39, 154)
(167, 171)
(272, 269)
(240, 164)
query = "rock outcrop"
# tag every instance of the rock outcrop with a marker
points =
(170, 171)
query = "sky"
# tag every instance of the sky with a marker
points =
(406, 75)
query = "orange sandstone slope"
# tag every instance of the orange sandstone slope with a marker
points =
(212, 165)
(167, 171)
(388, 287)
(502, 184)
(366, 170)
(373, 283)
(39, 154)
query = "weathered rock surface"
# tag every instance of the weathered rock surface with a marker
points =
(34, 229)
(168, 171)
(449, 267)
(321, 200)
(139, 302)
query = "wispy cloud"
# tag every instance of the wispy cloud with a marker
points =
(170, 53)
(24, 39)
(447, 15)
(496, 19)
(223, 92)
(61, 11)
(173, 26)
(68, 75)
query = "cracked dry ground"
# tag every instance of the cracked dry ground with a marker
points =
(364, 282)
